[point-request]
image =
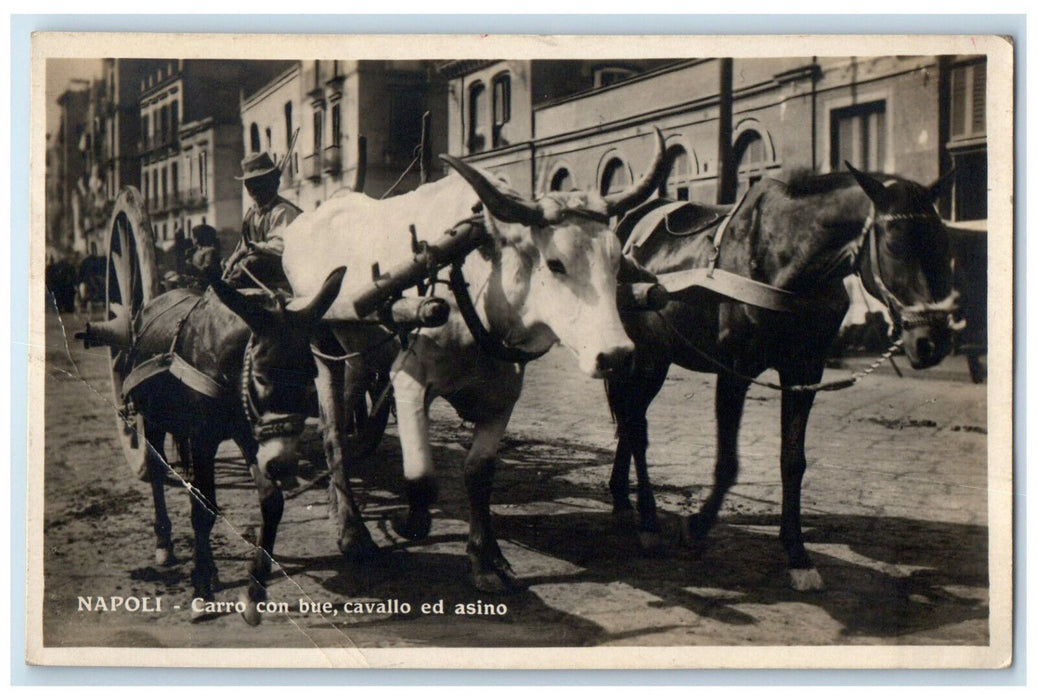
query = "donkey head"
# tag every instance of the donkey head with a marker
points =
(907, 264)
(560, 283)
(278, 370)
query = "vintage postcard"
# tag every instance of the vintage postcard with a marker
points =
(521, 351)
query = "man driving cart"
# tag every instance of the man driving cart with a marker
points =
(257, 257)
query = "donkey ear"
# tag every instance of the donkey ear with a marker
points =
(942, 185)
(249, 309)
(320, 302)
(875, 190)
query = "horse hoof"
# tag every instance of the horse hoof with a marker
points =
(806, 580)
(413, 526)
(693, 530)
(251, 612)
(494, 582)
(651, 542)
(164, 556)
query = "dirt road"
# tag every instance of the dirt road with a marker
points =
(894, 507)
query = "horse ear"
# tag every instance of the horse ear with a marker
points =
(320, 302)
(942, 185)
(875, 190)
(249, 309)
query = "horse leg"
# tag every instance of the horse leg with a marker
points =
(354, 540)
(491, 572)
(795, 411)
(204, 578)
(418, 470)
(629, 400)
(157, 466)
(729, 404)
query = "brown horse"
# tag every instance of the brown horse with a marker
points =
(803, 237)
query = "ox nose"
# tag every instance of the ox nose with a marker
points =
(614, 359)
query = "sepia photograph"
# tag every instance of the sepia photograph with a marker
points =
(520, 352)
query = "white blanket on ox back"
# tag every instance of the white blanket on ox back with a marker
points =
(357, 231)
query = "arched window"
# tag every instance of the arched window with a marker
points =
(476, 107)
(253, 139)
(615, 177)
(677, 184)
(561, 181)
(501, 107)
(751, 155)
(269, 139)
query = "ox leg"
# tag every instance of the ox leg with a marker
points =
(418, 469)
(354, 540)
(157, 465)
(729, 404)
(795, 411)
(491, 572)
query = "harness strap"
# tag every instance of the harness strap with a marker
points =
(488, 342)
(718, 237)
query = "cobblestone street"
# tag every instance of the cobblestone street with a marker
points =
(895, 515)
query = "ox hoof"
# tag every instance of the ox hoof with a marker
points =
(251, 613)
(651, 542)
(806, 580)
(414, 526)
(164, 556)
(357, 545)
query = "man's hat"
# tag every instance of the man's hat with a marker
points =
(257, 165)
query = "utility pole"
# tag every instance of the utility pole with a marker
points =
(727, 173)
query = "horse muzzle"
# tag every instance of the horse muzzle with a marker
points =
(926, 331)
(615, 359)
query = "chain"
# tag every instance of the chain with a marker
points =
(820, 386)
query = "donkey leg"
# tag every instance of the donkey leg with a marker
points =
(204, 578)
(795, 411)
(156, 457)
(354, 540)
(271, 504)
(418, 469)
(491, 572)
(729, 404)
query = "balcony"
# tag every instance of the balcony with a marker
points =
(311, 166)
(332, 162)
(195, 198)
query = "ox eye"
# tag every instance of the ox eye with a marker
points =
(556, 266)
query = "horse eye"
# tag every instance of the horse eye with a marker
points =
(556, 266)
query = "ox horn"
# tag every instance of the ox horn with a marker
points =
(506, 208)
(622, 202)
(318, 305)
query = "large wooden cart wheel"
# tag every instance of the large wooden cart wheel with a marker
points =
(131, 283)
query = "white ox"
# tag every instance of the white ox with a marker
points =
(547, 274)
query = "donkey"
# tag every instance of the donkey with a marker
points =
(245, 373)
(803, 237)
(546, 274)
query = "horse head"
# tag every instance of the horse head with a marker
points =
(278, 371)
(905, 262)
(560, 283)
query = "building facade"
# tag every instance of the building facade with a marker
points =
(336, 106)
(557, 125)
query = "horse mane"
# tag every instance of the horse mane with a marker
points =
(803, 182)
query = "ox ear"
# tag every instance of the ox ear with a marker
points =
(248, 308)
(316, 306)
(875, 190)
(942, 185)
